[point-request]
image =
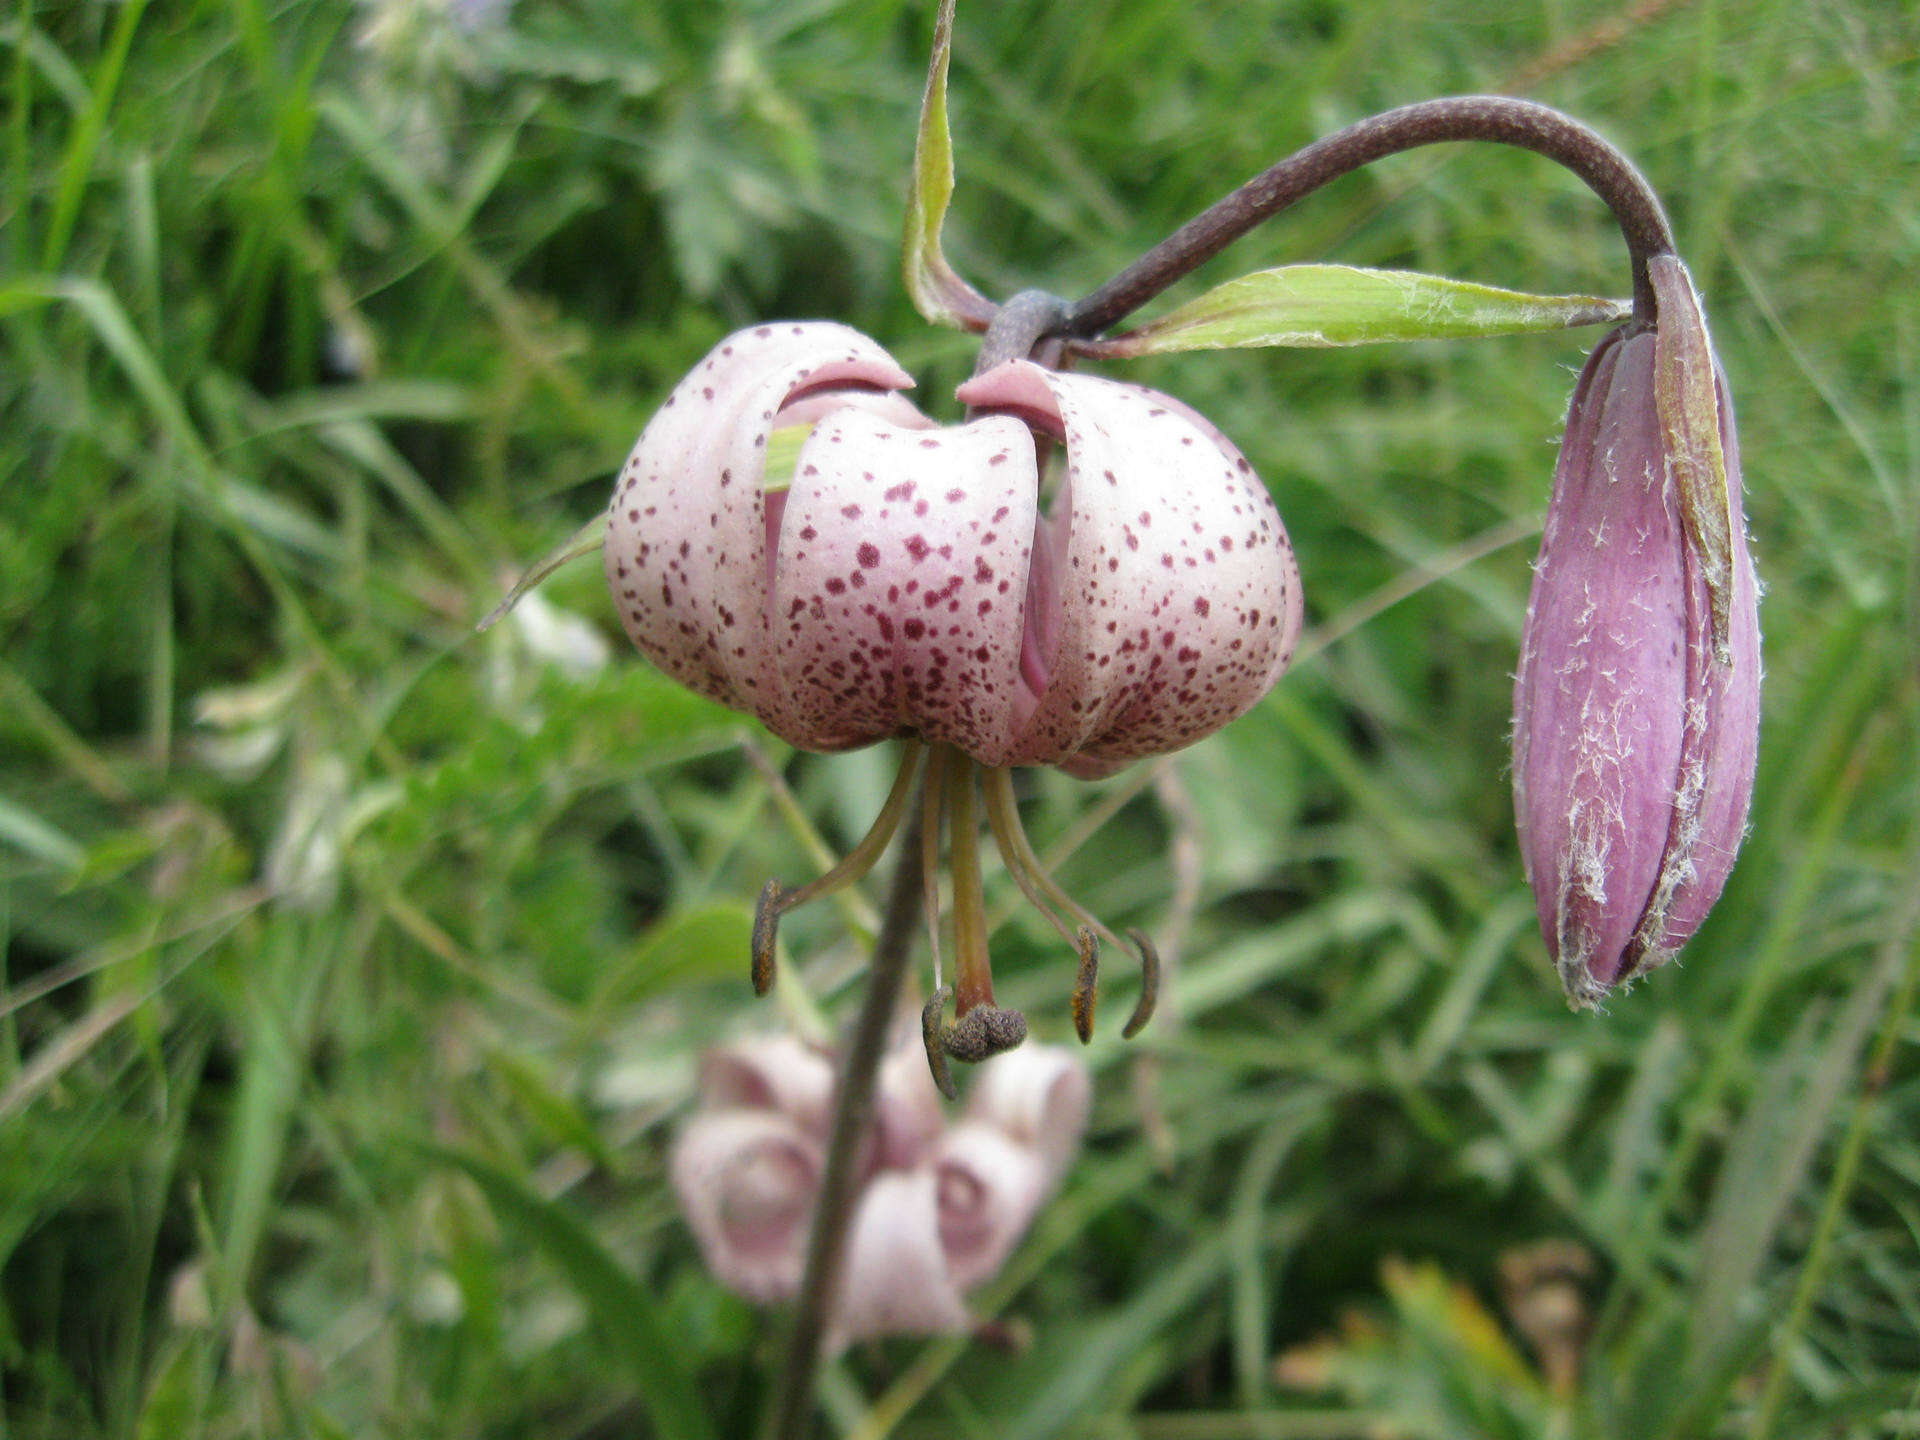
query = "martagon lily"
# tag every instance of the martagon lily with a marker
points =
(794, 538)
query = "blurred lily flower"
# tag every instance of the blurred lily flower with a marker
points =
(1637, 702)
(938, 1209)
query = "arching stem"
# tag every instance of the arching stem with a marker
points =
(1497, 118)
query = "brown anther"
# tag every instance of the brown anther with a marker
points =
(766, 929)
(933, 1030)
(1086, 983)
(983, 1032)
(1149, 984)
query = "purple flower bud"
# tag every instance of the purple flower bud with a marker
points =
(1637, 702)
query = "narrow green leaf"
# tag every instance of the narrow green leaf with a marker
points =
(583, 541)
(1320, 306)
(626, 1311)
(45, 842)
(937, 293)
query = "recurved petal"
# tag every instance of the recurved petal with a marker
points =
(686, 548)
(746, 1181)
(900, 582)
(1168, 598)
(989, 1186)
(896, 1281)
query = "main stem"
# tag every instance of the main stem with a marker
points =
(852, 1114)
(1539, 128)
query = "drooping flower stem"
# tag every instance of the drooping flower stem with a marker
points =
(789, 1413)
(1495, 118)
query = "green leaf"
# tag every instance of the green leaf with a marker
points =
(937, 293)
(704, 943)
(584, 541)
(626, 1311)
(1320, 306)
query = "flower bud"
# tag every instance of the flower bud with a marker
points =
(1637, 702)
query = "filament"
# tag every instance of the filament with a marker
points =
(775, 900)
(1003, 813)
(873, 844)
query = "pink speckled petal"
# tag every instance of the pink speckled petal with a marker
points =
(769, 1072)
(747, 1181)
(1173, 600)
(989, 1186)
(898, 590)
(686, 552)
(896, 1280)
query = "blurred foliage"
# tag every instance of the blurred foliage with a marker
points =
(356, 964)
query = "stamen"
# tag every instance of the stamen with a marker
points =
(1003, 818)
(933, 1031)
(933, 798)
(775, 900)
(766, 928)
(1026, 868)
(973, 969)
(1086, 984)
(1149, 985)
(873, 844)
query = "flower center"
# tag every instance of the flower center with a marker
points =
(980, 1028)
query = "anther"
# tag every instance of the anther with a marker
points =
(932, 1034)
(1086, 983)
(1149, 984)
(766, 929)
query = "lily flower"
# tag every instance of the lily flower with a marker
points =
(793, 538)
(938, 1208)
(1637, 702)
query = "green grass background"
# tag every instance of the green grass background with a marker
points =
(355, 964)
